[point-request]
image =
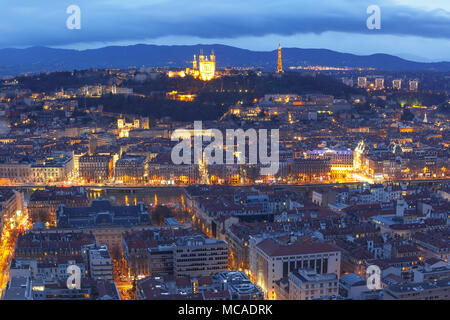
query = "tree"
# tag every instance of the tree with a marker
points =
(159, 214)
(407, 115)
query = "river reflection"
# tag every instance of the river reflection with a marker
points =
(173, 197)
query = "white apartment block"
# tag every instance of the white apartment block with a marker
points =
(271, 261)
(200, 256)
(100, 263)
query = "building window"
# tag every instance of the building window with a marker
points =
(285, 269)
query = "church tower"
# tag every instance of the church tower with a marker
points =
(207, 67)
(280, 62)
(194, 63)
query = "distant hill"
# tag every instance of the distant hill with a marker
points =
(37, 59)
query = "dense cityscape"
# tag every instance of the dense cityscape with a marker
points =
(87, 180)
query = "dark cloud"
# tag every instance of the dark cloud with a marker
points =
(30, 23)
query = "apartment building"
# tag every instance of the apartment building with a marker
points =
(131, 168)
(308, 285)
(238, 284)
(200, 256)
(11, 205)
(43, 203)
(430, 290)
(96, 168)
(272, 260)
(100, 263)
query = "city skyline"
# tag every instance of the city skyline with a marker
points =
(233, 177)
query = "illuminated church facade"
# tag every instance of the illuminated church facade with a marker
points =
(205, 68)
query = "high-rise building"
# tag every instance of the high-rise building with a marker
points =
(379, 83)
(191, 255)
(397, 84)
(55, 167)
(131, 168)
(413, 85)
(100, 262)
(362, 82)
(280, 61)
(11, 205)
(96, 167)
(199, 256)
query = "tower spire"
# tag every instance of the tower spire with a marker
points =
(194, 62)
(280, 62)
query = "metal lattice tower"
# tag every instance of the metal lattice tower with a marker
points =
(280, 62)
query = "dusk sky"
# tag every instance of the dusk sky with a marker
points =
(414, 29)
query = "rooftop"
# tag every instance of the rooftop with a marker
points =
(272, 248)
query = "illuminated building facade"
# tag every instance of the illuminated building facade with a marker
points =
(413, 85)
(341, 161)
(96, 167)
(55, 167)
(15, 170)
(379, 83)
(397, 84)
(358, 155)
(44, 246)
(271, 261)
(125, 127)
(205, 68)
(11, 202)
(280, 61)
(179, 96)
(362, 82)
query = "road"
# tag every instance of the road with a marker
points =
(10, 231)
(146, 186)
